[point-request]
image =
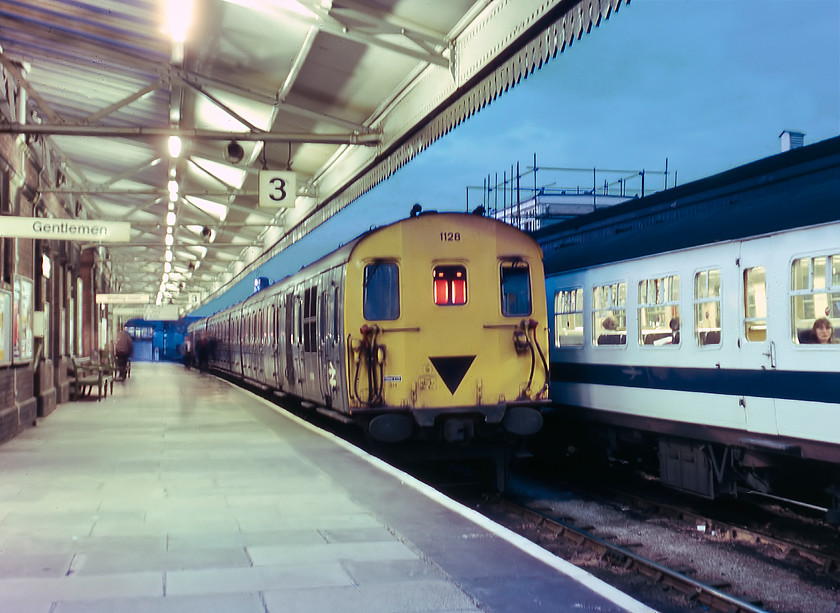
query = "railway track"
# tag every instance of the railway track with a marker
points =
(669, 556)
(812, 553)
(708, 596)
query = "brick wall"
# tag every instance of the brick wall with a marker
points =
(8, 408)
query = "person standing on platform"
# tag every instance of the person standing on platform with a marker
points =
(123, 351)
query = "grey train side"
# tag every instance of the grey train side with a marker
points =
(259, 350)
(681, 330)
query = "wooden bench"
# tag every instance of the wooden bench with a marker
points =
(88, 376)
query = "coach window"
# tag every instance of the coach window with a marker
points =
(659, 311)
(516, 288)
(755, 304)
(814, 294)
(609, 319)
(381, 291)
(707, 307)
(568, 318)
(449, 285)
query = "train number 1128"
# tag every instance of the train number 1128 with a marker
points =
(447, 237)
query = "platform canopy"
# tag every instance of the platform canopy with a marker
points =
(337, 93)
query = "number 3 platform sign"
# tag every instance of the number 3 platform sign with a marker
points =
(277, 189)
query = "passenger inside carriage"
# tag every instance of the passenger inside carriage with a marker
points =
(822, 333)
(613, 332)
(674, 324)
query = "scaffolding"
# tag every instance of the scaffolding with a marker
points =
(537, 196)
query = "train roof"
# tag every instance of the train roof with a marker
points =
(342, 255)
(797, 188)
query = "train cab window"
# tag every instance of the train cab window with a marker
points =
(659, 311)
(568, 318)
(707, 307)
(449, 285)
(609, 314)
(516, 288)
(381, 291)
(815, 298)
(755, 304)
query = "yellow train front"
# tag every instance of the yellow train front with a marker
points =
(432, 328)
(445, 327)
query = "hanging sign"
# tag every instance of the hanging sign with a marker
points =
(278, 189)
(122, 299)
(66, 229)
(161, 312)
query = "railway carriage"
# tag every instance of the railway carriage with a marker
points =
(432, 328)
(688, 340)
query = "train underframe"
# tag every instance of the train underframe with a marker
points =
(496, 433)
(710, 463)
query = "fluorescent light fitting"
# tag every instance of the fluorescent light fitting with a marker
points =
(174, 146)
(178, 15)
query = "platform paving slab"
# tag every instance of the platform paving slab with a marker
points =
(181, 493)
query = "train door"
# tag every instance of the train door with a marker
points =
(329, 347)
(272, 352)
(297, 343)
(262, 340)
(288, 339)
(756, 349)
(309, 336)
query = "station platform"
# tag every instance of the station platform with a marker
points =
(181, 493)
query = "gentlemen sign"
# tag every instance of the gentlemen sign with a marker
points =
(66, 229)
(278, 189)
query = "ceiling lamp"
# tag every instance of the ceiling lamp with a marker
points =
(173, 191)
(178, 15)
(174, 146)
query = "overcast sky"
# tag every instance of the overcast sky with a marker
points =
(707, 84)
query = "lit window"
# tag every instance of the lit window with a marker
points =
(755, 304)
(659, 311)
(568, 318)
(450, 285)
(707, 307)
(815, 297)
(609, 321)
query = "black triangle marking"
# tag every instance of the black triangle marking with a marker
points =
(452, 369)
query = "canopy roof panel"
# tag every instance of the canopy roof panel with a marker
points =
(342, 92)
